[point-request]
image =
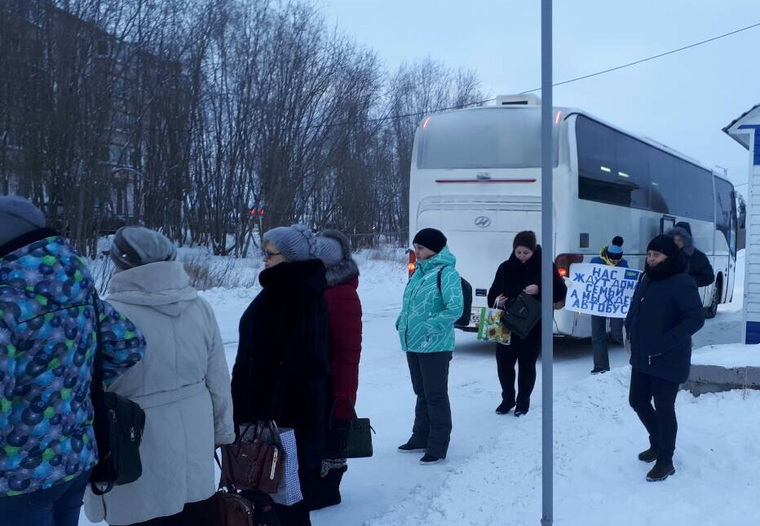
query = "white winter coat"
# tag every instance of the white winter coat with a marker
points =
(183, 384)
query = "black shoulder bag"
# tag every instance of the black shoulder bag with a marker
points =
(521, 314)
(118, 424)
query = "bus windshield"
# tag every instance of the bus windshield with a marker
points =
(482, 138)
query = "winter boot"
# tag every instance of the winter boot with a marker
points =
(325, 491)
(410, 448)
(650, 455)
(429, 460)
(504, 408)
(660, 472)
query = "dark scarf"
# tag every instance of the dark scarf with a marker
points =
(305, 275)
(675, 264)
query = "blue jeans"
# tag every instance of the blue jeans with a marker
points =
(56, 506)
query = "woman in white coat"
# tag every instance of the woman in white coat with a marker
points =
(183, 384)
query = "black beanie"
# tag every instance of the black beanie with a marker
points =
(663, 244)
(526, 238)
(430, 238)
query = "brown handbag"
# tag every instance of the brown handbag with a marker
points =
(255, 460)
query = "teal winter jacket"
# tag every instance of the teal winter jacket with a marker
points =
(426, 322)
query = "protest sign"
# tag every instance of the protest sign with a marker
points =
(601, 290)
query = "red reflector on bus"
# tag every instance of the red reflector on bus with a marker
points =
(564, 261)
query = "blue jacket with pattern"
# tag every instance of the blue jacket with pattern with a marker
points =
(47, 341)
(428, 313)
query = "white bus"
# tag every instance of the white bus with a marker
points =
(476, 176)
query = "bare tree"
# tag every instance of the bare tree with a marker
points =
(211, 120)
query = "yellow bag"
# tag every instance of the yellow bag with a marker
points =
(490, 327)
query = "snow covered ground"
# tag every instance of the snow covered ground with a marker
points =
(493, 472)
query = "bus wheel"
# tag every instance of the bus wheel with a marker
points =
(712, 310)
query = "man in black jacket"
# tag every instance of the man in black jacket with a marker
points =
(699, 266)
(665, 312)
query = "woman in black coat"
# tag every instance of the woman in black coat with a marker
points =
(520, 273)
(665, 312)
(281, 371)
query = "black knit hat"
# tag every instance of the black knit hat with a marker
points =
(663, 244)
(430, 238)
(526, 238)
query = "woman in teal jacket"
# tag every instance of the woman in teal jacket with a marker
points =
(432, 303)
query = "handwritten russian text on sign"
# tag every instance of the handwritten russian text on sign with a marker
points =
(601, 290)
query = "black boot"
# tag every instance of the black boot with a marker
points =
(326, 490)
(504, 408)
(409, 447)
(660, 471)
(650, 455)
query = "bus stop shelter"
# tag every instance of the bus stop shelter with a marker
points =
(745, 130)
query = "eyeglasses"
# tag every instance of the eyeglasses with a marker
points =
(270, 255)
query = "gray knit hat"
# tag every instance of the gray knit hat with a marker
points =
(134, 246)
(295, 243)
(18, 216)
(330, 250)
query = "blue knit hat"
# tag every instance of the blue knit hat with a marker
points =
(615, 249)
(295, 243)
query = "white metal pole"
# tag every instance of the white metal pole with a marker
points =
(547, 241)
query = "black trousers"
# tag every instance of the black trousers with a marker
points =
(523, 352)
(660, 419)
(432, 414)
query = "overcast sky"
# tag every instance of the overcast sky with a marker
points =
(683, 100)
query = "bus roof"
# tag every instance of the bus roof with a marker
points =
(568, 111)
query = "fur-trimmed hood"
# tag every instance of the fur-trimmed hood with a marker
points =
(684, 234)
(344, 270)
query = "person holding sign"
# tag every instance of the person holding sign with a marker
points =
(520, 273)
(665, 313)
(611, 255)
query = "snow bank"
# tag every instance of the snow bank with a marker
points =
(732, 355)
